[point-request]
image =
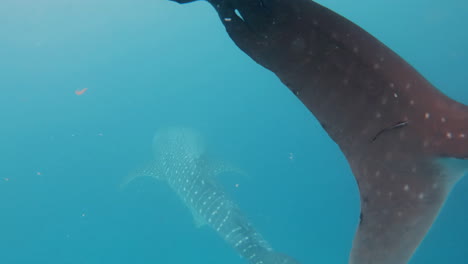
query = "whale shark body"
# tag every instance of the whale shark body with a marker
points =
(406, 142)
(180, 160)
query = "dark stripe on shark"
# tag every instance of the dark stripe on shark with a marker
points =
(404, 140)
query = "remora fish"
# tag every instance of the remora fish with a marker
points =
(406, 142)
(180, 161)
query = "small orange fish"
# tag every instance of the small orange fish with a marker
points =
(80, 92)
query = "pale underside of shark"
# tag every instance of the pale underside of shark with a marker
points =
(181, 161)
(406, 142)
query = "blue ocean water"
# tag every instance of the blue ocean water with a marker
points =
(148, 64)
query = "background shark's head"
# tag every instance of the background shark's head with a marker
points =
(178, 142)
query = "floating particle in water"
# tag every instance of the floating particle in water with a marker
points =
(80, 92)
(237, 185)
(38, 173)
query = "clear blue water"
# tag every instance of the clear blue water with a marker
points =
(153, 63)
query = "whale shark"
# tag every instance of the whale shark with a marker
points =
(180, 160)
(405, 141)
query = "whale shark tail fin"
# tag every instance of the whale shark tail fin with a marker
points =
(273, 257)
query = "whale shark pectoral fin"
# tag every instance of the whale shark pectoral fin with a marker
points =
(399, 202)
(220, 167)
(152, 169)
(213, 167)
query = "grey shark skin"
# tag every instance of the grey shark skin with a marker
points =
(406, 142)
(180, 160)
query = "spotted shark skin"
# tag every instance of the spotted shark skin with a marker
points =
(180, 161)
(405, 141)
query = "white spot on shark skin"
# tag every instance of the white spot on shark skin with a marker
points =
(232, 232)
(378, 115)
(421, 196)
(449, 135)
(443, 120)
(427, 115)
(384, 100)
(406, 187)
(425, 143)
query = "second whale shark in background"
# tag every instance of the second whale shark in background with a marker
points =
(405, 141)
(180, 159)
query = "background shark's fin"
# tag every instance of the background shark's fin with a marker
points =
(152, 169)
(213, 167)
